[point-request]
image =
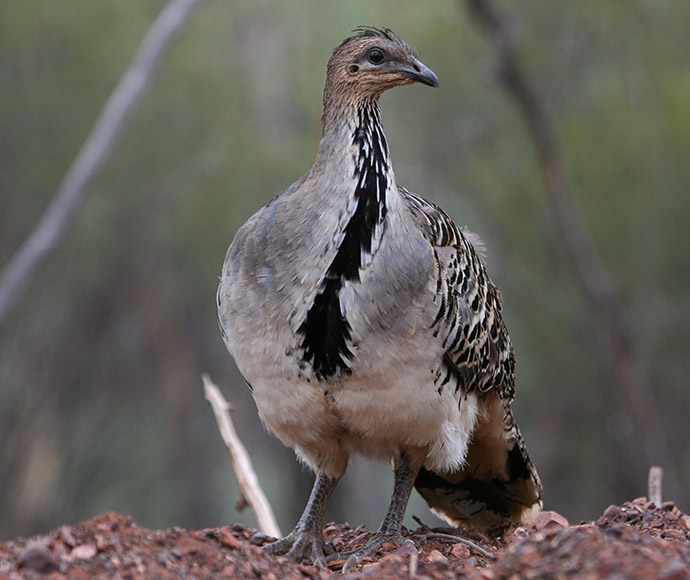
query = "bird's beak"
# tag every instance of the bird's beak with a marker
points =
(419, 72)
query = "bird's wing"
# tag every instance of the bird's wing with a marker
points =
(498, 485)
(477, 347)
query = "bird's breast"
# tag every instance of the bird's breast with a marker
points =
(267, 292)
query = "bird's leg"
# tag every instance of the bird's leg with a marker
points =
(306, 540)
(391, 526)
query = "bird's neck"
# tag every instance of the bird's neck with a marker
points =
(353, 152)
(353, 143)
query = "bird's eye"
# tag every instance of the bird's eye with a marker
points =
(376, 56)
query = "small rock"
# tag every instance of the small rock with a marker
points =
(38, 557)
(611, 512)
(258, 538)
(672, 534)
(60, 550)
(102, 543)
(229, 540)
(66, 536)
(460, 551)
(549, 519)
(336, 564)
(83, 552)
(436, 556)
(668, 506)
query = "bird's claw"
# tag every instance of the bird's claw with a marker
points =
(355, 557)
(302, 545)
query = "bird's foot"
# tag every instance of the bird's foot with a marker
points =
(300, 545)
(373, 545)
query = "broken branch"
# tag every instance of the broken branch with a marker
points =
(656, 474)
(241, 464)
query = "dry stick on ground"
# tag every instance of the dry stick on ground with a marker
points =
(103, 136)
(414, 563)
(242, 465)
(656, 474)
(459, 540)
(455, 538)
(633, 393)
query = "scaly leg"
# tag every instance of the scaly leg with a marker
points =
(390, 527)
(306, 540)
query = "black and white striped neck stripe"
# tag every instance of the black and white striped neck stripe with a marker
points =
(327, 344)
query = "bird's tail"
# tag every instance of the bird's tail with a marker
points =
(498, 486)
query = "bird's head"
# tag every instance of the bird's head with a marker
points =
(373, 60)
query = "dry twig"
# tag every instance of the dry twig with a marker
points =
(459, 540)
(242, 465)
(656, 475)
(414, 564)
(72, 189)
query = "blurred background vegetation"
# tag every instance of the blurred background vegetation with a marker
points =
(101, 401)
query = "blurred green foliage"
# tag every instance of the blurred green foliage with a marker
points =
(101, 404)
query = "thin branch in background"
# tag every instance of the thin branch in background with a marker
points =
(241, 463)
(632, 391)
(72, 189)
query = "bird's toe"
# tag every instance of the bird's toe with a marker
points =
(373, 545)
(300, 547)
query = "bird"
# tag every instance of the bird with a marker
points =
(364, 322)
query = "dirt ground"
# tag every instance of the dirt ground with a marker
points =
(637, 540)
